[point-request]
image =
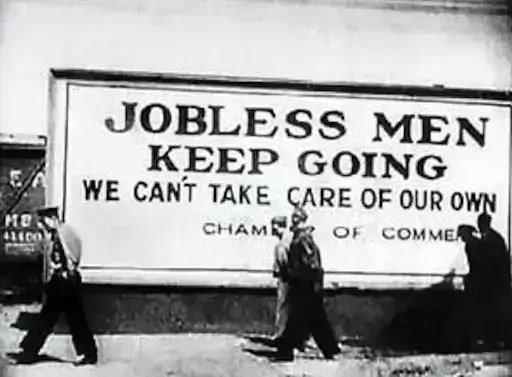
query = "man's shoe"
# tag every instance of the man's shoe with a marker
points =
(283, 354)
(477, 346)
(282, 358)
(272, 342)
(301, 347)
(87, 360)
(333, 355)
(25, 357)
(336, 356)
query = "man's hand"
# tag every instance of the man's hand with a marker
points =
(281, 255)
(55, 265)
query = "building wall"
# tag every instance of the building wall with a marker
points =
(461, 44)
(21, 190)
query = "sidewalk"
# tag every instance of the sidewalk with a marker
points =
(225, 355)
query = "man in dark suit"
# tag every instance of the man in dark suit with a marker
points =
(304, 274)
(497, 282)
(61, 249)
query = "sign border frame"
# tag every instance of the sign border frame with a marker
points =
(60, 81)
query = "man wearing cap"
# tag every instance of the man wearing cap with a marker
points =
(61, 249)
(304, 275)
(279, 224)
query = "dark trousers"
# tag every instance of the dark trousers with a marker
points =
(489, 314)
(62, 297)
(307, 316)
(282, 307)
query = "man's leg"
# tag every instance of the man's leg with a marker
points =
(320, 327)
(294, 325)
(282, 308)
(282, 314)
(35, 338)
(81, 335)
(498, 320)
(475, 319)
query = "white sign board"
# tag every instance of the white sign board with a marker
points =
(184, 179)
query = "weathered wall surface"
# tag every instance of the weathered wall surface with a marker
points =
(21, 190)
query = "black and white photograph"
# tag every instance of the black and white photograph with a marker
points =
(255, 188)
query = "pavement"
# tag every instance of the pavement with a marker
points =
(226, 355)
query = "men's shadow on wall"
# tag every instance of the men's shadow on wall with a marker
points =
(112, 309)
(437, 320)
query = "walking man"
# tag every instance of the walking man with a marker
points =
(285, 236)
(304, 275)
(279, 225)
(61, 249)
(497, 282)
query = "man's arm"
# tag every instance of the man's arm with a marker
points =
(72, 245)
(280, 260)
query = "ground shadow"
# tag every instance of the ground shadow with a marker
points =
(268, 353)
(28, 320)
(263, 340)
(436, 320)
(263, 347)
(41, 358)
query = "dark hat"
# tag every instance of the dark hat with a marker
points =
(466, 229)
(300, 212)
(279, 220)
(484, 218)
(48, 211)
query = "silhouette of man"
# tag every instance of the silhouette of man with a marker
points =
(498, 273)
(496, 280)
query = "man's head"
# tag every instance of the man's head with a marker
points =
(299, 216)
(48, 217)
(484, 222)
(278, 225)
(466, 232)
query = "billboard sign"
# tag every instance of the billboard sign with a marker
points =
(183, 178)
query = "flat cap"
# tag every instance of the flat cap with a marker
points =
(466, 229)
(48, 211)
(279, 220)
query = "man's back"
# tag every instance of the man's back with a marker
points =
(497, 258)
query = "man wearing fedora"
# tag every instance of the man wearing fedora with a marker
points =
(61, 248)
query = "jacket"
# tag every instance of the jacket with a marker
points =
(305, 264)
(71, 244)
